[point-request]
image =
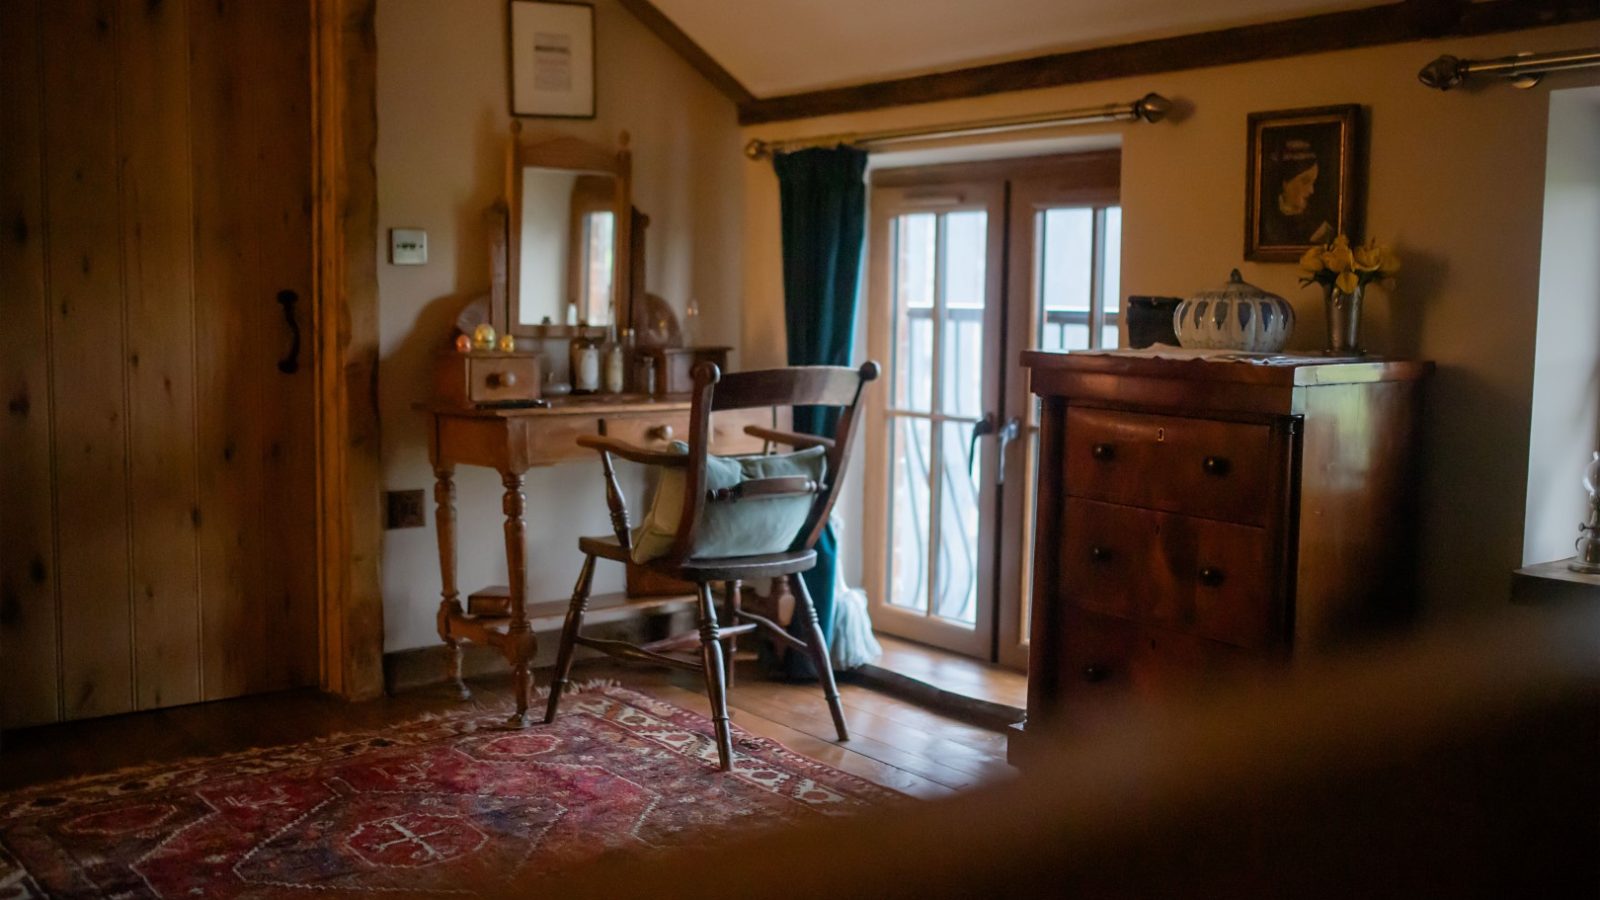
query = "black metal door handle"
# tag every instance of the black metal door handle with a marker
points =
(290, 363)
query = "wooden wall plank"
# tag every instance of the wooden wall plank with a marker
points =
(29, 671)
(153, 138)
(249, 85)
(87, 352)
(227, 355)
(278, 121)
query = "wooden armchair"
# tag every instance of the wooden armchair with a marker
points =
(797, 386)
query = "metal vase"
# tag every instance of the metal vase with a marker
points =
(1344, 320)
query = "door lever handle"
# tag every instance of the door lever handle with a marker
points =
(290, 363)
(1007, 434)
(983, 426)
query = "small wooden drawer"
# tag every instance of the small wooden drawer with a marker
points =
(1200, 467)
(502, 379)
(650, 430)
(1105, 657)
(1195, 576)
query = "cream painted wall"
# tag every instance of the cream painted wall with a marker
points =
(1456, 180)
(442, 122)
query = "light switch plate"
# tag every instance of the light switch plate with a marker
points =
(408, 246)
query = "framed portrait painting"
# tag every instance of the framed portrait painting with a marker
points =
(1303, 179)
(552, 59)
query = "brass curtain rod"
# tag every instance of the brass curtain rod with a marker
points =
(1149, 108)
(1523, 70)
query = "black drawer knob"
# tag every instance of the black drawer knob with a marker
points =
(1211, 576)
(1095, 673)
(1217, 465)
(1100, 554)
(1103, 452)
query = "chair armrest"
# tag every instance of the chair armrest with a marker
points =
(759, 488)
(631, 453)
(797, 441)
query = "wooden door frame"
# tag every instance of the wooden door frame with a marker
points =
(345, 349)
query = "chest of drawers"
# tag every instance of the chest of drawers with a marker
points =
(1200, 520)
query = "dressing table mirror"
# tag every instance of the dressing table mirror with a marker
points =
(568, 237)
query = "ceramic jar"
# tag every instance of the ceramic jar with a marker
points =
(1237, 316)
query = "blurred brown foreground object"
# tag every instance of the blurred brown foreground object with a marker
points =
(1464, 765)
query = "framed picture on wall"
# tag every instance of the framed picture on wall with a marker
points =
(552, 59)
(1303, 176)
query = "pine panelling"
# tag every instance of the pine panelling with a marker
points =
(87, 352)
(252, 239)
(277, 52)
(153, 137)
(29, 672)
(229, 358)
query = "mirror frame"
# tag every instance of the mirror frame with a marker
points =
(570, 154)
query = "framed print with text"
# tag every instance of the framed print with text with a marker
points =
(552, 59)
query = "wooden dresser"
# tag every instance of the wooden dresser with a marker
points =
(1200, 519)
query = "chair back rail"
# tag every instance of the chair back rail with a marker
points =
(835, 386)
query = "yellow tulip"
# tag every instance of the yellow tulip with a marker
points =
(1341, 242)
(1311, 261)
(1389, 263)
(1338, 257)
(1369, 256)
(1346, 281)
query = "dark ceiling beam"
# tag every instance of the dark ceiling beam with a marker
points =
(692, 53)
(1393, 23)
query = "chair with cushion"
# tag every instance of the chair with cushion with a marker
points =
(728, 520)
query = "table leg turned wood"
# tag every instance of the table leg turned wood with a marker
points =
(519, 634)
(444, 496)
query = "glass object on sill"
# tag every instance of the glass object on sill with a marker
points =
(584, 356)
(483, 336)
(614, 362)
(554, 388)
(691, 323)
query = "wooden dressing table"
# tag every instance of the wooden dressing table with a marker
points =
(512, 440)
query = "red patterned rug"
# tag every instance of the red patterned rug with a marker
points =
(419, 808)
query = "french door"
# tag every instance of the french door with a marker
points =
(962, 275)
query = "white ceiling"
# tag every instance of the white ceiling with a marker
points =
(785, 46)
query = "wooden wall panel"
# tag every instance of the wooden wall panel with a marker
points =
(29, 674)
(277, 51)
(153, 139)
(87, 352)
(252, 241)
(158, 531)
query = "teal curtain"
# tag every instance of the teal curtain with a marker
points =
(823, 197)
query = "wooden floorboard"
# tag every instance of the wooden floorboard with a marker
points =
(894, 743)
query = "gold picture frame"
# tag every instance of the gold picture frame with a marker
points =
(1303, 180)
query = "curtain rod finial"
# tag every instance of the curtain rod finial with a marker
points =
(756, 149)
(1443, 73)
(1152, 107)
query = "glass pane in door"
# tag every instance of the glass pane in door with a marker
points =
(939, 285)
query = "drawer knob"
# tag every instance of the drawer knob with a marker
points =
(1211, 576)
(1103, 452)
(1099, 553)
(502, 379)
(1095, 672)
(660, 433)
(1217, 465)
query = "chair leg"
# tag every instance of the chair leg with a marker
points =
(817, 646)
(569, 637)
(734, 600)
(716, 690)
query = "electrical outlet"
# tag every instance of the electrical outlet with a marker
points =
(405, 509)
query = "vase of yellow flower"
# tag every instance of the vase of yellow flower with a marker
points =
(1344, 273)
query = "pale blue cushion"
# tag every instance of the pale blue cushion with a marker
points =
(749, 527)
